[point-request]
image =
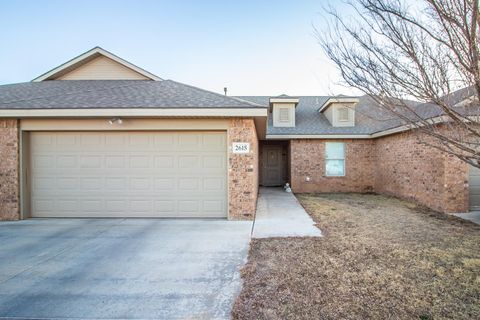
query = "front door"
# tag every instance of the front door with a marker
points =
(273, 166)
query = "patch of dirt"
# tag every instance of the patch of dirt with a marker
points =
(380, 258)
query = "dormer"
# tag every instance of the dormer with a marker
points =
(282, 109)
(340, 111)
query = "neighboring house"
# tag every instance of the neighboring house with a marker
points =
(101, 137)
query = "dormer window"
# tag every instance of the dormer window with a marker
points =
(343, 114)
(340, 111)
(282, 109)
(283, 115)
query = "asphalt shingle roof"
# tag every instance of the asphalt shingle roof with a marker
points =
(369, 118)
(79, 94)
(88, 94)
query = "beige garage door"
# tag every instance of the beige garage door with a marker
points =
(128, 174)
(474, 182)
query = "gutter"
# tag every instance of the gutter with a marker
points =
(134, 112)
(378, 134)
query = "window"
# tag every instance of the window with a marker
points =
(335, 159)
(343, 114)
(283, 115)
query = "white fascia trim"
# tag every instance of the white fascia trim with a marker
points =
(284, 100)
(143, 112)
(337, 100)
(436, 120)
(90, 53)
(318, 136)
(391, 131)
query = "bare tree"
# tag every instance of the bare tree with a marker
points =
(425, 50)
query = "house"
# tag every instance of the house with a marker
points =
(100, 137)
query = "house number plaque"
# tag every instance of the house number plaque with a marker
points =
(241, 147)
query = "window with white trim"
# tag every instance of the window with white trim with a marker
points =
(283, 115)
(343, 114)
(334, 159)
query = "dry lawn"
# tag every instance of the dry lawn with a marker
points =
(380, 258)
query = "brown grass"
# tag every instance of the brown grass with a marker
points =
(380, 258)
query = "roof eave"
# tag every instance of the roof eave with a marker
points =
(330, 101)
(134, 112)
(284, 100)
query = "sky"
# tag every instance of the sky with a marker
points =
(262, 47)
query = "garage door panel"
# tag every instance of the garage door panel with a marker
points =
(209, 140)
(164, 162)
(474, 182)
(136, 174)
(66, 161)
(116, 205)
(213, 161)
(127, 186)
(475, 189)
(43, 161)
(213, 206)
(69, 140)
(68, 184)
(188, 162)
(92, 206)
(66, 205)
(40, 141)
(165, 206)
(115, 162)
(190, 139)
(138, 140)
(42, 205)
(90, 139)
(115, 139)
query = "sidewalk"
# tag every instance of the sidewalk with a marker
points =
(279, 214)
(473, 216)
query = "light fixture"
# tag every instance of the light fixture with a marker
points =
(116, 120)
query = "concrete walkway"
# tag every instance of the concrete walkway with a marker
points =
(279, 214)
(473, 216)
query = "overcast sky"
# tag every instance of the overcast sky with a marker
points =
(251, 47)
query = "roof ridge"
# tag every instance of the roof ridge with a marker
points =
(75, 92)
(215, 93)
(296, 96)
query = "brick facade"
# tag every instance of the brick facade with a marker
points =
(9, 170)
(307, 158)
(396, 165)
(242, 171)
(407, 169)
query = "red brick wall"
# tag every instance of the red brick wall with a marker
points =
(9, 170)
(307, 158)
(456, 193)
(396, 165)
(242, 171)
(407, 169)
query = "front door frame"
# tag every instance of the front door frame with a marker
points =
(284, 148)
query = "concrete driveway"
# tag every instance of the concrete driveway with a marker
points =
(121, 268)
